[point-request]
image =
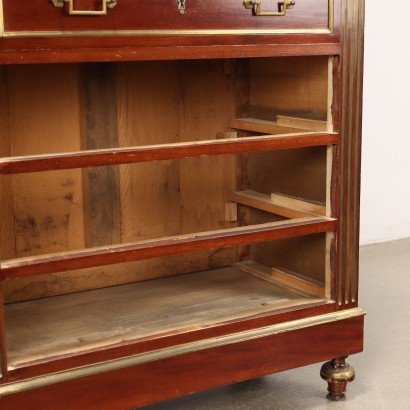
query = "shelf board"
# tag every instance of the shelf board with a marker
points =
(115, 156)
(72, 324)
(278, 204)
(283, 277)
(302, 123)
(172, 245)
(262, 126)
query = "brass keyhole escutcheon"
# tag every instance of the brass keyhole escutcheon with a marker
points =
(181, 6)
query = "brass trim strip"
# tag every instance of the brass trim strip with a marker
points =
(145, 33)
(352, 42)
(178, 350)
(342, 218)
(331, 14)
(350, 150)
(356, 211)
(1, 19)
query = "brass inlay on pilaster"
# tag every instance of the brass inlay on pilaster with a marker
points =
(1, 19)
(331, 18)
(341, 239)
(350, 146)
(352, 38)
(360, 21)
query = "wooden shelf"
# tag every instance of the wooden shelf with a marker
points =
(115, 156)
(282, 125)
(282, 277)
(65, 325)
(278, 204)
(172, 245)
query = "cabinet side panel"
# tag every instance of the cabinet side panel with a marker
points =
(300, 173)
(303, 255)
(297, 86)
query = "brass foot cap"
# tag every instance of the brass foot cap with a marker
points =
(337, 373)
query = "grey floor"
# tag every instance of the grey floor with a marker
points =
(382, 371)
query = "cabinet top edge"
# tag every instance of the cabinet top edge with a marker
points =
(59, 43)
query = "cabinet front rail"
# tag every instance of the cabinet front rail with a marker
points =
(115, 156)
(172, 245)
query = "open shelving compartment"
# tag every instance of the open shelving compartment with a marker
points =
(207, 200)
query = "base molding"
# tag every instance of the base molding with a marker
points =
(179, 370)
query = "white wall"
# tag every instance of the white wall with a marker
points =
(385, 199)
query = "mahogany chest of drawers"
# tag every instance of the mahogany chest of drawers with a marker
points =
(179, 196)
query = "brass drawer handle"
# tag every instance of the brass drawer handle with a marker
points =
(72, 12)
(255, 6)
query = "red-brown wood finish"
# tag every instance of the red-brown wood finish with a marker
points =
(165, 379)
(21, 42)
(149, 51)
(39, 16)
(115, 156)
(23, 26)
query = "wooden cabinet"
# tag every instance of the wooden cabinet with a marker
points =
(179, 197)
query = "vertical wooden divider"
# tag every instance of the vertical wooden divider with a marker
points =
(7, 238)
(242, 70)
(101, 184)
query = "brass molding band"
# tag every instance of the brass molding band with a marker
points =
(178, 350)
(145, 33)
(1, 19)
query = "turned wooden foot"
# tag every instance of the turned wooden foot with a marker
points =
(337, 373)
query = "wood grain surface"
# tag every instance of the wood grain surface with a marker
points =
(71, 324)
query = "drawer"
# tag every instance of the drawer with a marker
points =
(164, 17)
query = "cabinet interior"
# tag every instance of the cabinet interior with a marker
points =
(48, 109)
